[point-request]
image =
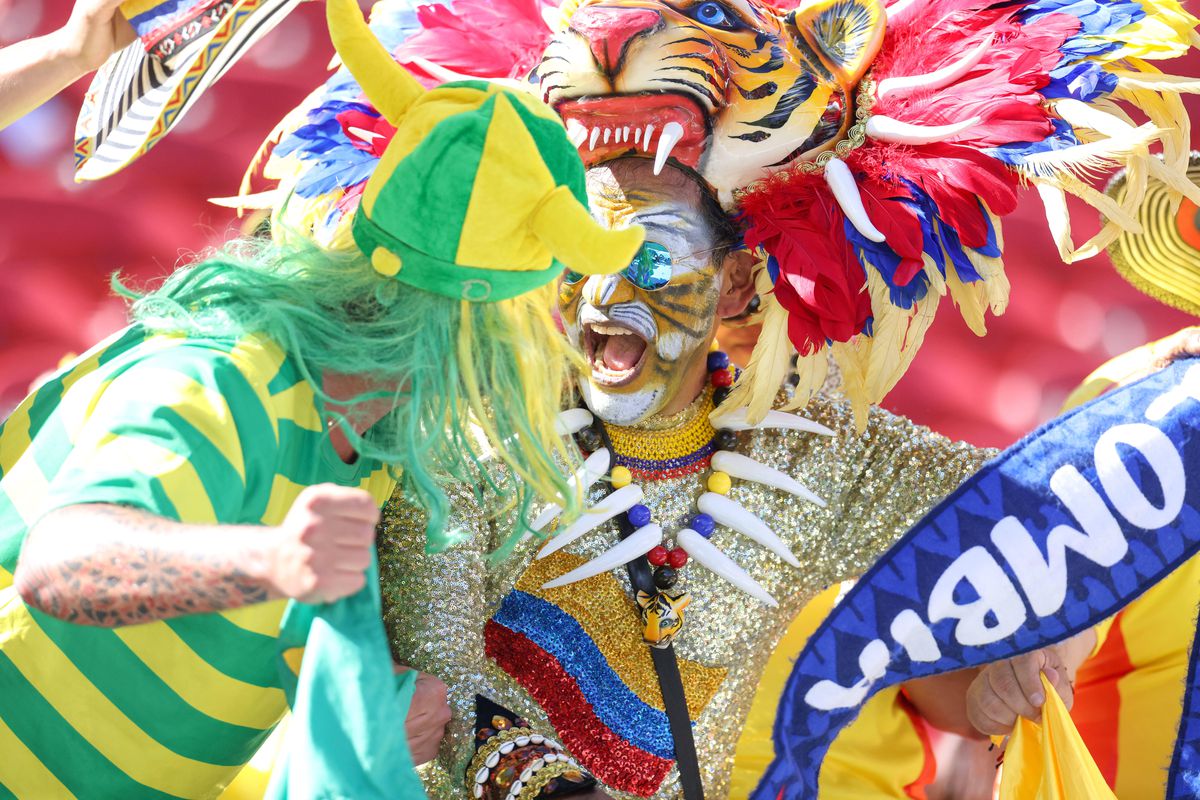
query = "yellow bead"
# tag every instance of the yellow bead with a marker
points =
(719, 482)
(714, 347)
(621, 477)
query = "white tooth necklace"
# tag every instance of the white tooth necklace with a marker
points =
(706, 448)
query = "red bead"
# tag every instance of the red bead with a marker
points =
(722, 377)
(677, 557)
(658, 556)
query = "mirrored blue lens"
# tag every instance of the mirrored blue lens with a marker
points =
(572, 277)
(651, 268)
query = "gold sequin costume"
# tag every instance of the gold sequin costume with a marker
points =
(876, 485)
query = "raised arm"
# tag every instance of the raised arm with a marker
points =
(33, 71)
(110, 565)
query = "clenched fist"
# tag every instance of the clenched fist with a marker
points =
(324, 545)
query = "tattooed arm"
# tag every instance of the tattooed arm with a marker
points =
(111, 565)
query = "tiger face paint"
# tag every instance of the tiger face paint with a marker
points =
(642, 345)
(731, 89)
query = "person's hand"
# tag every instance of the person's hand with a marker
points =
(428, 715)
(1184, 343)
(1007, 689)
(321, 550)
(95, 31)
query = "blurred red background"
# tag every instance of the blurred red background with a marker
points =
(59, 241)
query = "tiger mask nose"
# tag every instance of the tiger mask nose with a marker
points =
(610, 29)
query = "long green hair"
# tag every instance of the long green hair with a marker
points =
(462, 377)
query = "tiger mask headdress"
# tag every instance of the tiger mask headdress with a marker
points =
(730, 89)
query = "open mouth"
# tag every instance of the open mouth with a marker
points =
(661, 125)
(615, 353)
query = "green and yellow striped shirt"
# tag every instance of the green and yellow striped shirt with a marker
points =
(196, 430)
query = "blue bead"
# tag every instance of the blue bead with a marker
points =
(703, 525)
(639, 515)
(717, 360)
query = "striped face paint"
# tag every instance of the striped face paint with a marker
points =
(640, 343)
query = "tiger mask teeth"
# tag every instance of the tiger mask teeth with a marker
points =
(660, 127)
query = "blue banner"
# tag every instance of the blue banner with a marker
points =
(1059, 532)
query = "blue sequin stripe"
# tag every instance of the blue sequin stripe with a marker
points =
(656, 465)
(614, 703)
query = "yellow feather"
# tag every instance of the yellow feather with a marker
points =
(970, 300)
(758, 386)
(937, 284)
(811, 372)
(854, 378)
(896, 336)
(1175, 180)
(1090, 159)
(1173, 115)
(1058, 220)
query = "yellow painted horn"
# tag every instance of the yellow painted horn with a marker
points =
(390, 87)
(568, 231)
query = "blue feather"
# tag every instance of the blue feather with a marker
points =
(886, 261)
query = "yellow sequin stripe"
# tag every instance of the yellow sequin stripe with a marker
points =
(610, 619)
(663, 445)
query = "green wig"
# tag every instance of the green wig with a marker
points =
(468, 377)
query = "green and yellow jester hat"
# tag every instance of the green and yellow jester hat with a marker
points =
(479, 195)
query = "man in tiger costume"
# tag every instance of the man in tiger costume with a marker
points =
(570, 660)
(863, 199)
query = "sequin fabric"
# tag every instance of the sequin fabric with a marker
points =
(876, 485)
(667, 447)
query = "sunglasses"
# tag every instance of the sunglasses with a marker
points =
(650, 269)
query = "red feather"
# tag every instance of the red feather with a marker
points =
(820, 283)
(482, 38)
(1002, 89)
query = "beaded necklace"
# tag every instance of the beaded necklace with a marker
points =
(684, 444)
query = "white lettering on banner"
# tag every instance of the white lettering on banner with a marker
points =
(911, 633)
(872, 662)
(1168, 401)
(998, 599)
(1044, 580)
(998, 610)
(1123, 491)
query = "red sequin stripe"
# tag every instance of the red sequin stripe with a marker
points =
(613, 760)
(668, 474)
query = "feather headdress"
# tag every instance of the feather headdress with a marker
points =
(965, 102)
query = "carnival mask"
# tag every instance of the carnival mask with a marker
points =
(730, 89)
(642, 331)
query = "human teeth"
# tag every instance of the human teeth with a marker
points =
(609, 330)
(672, 133)
(607, 134)
(592, 140)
